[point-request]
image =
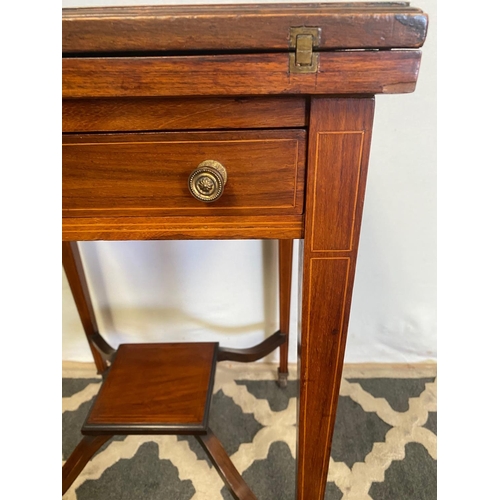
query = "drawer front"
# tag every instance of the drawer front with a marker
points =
(147, 174)
(151, 114)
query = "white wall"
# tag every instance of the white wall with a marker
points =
(227, 291)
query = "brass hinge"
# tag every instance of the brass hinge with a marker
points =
(304, 40)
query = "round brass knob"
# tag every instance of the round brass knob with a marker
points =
(206, 183)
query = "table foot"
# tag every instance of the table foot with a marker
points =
(282, 379)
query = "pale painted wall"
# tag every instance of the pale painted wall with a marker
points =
(227, 291)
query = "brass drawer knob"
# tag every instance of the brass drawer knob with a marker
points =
(206, 183)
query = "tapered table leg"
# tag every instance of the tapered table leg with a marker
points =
(72, 263)
(285, 281)
(339, 142)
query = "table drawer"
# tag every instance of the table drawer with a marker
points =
(147, 174)
(150, 114)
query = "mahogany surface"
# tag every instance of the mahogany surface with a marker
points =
(285, 287)
(223, 27)
(226, 73)
(339, 145)
(155, 389)
(147, 174)
(183, 228)
(365, 72)
(254, 353)
(153, 113)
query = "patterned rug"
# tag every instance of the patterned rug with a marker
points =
(384, 447)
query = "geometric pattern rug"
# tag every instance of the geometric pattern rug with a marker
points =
(384, 445)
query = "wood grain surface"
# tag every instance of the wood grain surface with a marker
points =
(344, 72)
(155, 389)
(235, 27)
(285, 293)
(339, 143)
(183, 228)
(114, 115)
(147, 174)
(250, 354)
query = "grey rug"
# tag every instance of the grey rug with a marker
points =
(384, 446)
